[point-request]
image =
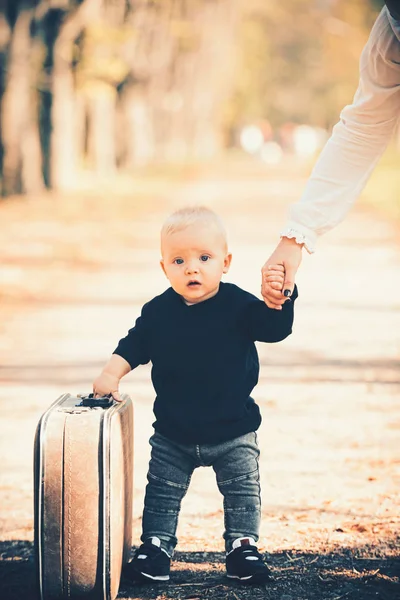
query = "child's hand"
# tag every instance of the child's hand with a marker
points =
(106, 384)
(276, 277)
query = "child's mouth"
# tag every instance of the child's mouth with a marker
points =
(193, 283)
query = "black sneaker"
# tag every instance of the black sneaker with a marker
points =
(245, 563)
(150, 562)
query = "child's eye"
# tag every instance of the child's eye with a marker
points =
(178, 261)
(204, 258)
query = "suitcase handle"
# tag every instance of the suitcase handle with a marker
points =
(91, 401)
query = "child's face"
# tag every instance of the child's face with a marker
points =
(194, 260)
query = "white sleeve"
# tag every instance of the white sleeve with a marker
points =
(357, 142)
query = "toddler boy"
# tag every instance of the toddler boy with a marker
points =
(199, 335)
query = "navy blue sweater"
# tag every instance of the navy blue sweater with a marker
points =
(205, 363)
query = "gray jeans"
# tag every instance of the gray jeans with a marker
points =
(235, 463)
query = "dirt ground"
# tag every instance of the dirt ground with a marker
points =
(75, 271)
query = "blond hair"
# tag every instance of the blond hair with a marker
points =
(192, 215)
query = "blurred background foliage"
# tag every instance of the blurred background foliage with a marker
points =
(299, 58)
(103, 86)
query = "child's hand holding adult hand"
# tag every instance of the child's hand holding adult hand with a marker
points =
(275, 278)
(288, 255)
(105, 384)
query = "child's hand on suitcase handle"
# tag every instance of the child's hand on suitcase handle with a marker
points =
(108, 380)
(106, 384)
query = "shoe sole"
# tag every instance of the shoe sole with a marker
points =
(257, 578)
(154, 577)
(133, 576)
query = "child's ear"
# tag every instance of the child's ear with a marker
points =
(227, 263)
(163, 268)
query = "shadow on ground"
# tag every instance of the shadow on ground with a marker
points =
(352, 574)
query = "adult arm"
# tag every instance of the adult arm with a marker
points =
(350, 155)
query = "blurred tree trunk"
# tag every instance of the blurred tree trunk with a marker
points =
(213, 77)
(101, 71)
(101, 113)
(148, 53)
(182, 73)
(5, 36)
(181, 56)
(48, 27)
(64, 142)
(21, 164)
(136, 127)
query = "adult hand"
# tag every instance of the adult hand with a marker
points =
(288, 254)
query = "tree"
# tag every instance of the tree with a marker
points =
(21, 156)
(299, 59)
(110, 83)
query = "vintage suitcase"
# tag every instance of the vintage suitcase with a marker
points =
(83, 472)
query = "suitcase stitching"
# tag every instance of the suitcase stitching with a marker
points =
(69, 510)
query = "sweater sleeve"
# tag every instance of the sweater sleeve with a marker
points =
(264, 324)
(133, 347)
(357, 142)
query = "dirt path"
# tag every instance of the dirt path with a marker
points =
(75, 273)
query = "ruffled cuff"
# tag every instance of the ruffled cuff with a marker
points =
(301, 234)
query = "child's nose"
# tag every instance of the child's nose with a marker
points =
(192, 267)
